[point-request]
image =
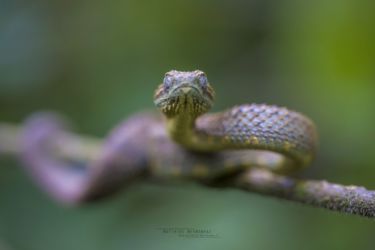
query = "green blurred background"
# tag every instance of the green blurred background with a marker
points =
(98, 62)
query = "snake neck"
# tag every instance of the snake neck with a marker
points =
(183, 130)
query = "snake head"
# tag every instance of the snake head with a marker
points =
(184, 92)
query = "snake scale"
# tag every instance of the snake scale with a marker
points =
(183, 142)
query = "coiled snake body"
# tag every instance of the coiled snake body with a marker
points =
(184, 142)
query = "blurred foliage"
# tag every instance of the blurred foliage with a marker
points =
(98, 62)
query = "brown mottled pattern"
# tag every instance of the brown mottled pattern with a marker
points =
(260, 126)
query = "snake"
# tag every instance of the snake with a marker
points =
(181, 141)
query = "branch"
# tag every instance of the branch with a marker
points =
(345, 199)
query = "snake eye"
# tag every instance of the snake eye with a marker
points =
(168, 80)
(202, 80)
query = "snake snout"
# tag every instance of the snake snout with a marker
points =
(186, 88)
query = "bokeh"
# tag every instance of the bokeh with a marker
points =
(98, 62)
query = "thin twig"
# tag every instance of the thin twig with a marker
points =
(9, 139)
